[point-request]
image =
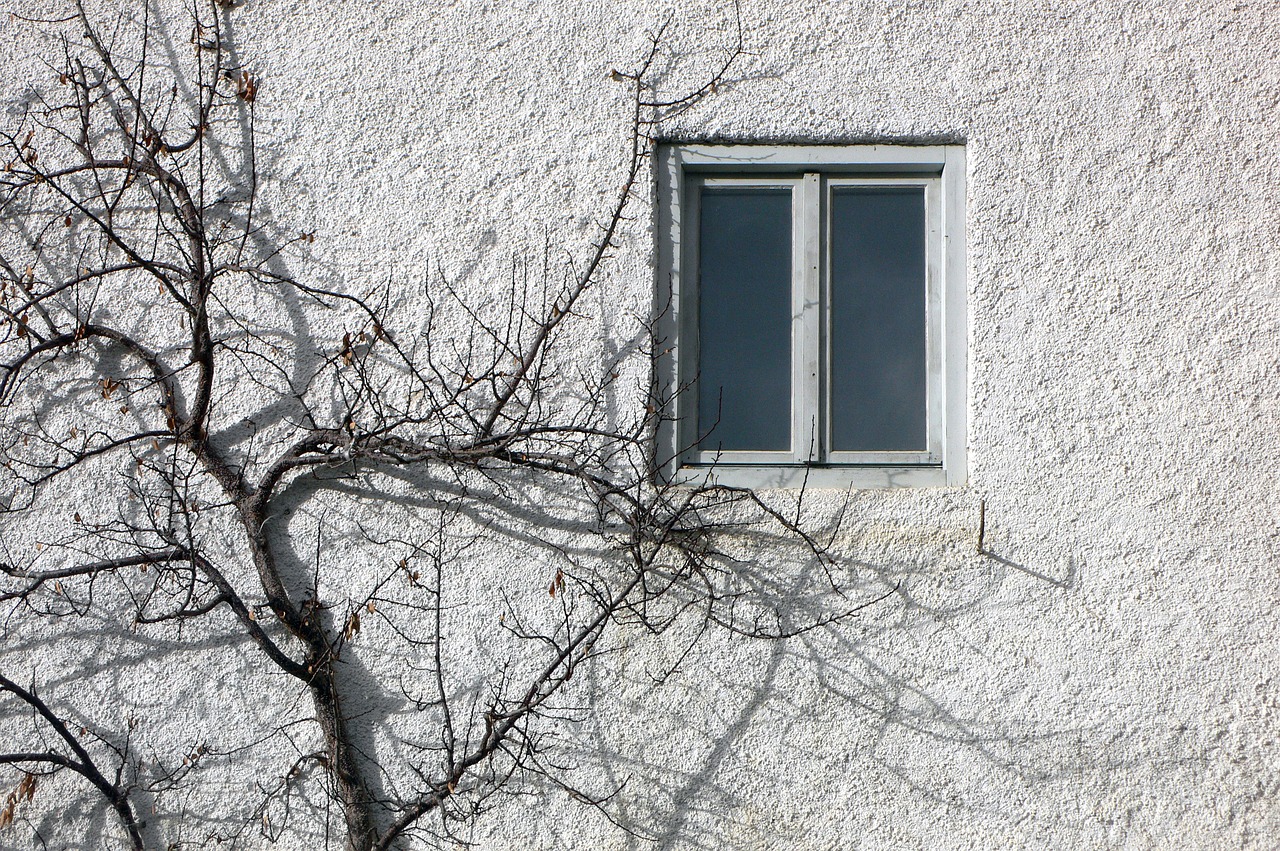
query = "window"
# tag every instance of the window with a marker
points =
(813, 303)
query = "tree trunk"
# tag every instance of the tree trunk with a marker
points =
(344, 767)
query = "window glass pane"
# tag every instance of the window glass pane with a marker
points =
(877, 380)
(744, 318)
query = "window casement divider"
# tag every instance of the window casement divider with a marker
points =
(807, 419)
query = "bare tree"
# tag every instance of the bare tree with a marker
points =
(170, 385)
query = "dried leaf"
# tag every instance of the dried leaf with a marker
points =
(246, 87)
(370, 607)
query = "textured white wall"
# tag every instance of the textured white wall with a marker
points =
(1106, 677)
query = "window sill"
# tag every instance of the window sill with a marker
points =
(825, 477)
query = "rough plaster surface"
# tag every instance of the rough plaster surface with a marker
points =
(1106, 676)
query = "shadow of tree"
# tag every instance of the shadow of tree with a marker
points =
(720, 762)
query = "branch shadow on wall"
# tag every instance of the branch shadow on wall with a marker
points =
(814, 712)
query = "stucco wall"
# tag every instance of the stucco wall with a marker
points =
(1105, 676)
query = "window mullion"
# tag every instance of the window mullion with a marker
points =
(806, 355)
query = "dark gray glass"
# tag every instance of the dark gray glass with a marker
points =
(877, 380)
(744, 318)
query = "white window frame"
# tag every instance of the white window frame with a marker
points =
(813, 172)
